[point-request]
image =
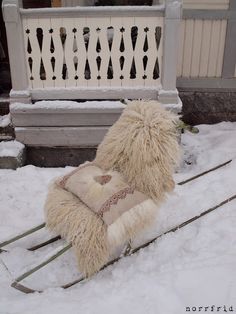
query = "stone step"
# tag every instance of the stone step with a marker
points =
(66, 113)
(61, 136)
(12, 155)
(6, 128)
(6, 137)
(64, 123)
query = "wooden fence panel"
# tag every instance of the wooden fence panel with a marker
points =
(197, 44)
(188, 47)
(201, 48)
(205, 50)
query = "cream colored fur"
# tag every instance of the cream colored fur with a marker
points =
(92, 241)
(128, 225)
(69, 217)
(143, 146)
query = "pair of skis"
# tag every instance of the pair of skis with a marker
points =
(127, 252)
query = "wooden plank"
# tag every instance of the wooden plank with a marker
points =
(33, 25)
(98, 31)
(214, 47)
(197, 44)
(69, 25)
(60, 136)
(115, 51)
(27, 55)
(181, 48)
(57, 26)
(205, 49)
(161, 49)
(188, 47)
(81, 53)
(93, 24)
(152, 54)
(46, 53)
(127, 24)
(221, 48)
(138, 52)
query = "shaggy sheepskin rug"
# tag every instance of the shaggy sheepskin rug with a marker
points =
(101, 205)
(143, 146)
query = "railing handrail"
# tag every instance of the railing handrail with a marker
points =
(111, 11)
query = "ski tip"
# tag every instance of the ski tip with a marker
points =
(22, 288)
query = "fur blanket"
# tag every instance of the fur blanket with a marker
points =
(101, 205)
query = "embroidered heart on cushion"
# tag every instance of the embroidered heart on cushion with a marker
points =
(103, 179)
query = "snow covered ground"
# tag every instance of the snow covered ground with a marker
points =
(192, 269)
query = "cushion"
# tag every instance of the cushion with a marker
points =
(104, 192)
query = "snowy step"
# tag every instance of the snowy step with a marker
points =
(6, 128)
(12, 155)
(64, 123)
(5, 121)
(61, 136)
(5, 137)
(66, 113)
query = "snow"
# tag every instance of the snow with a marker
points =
(193, 267)
(5, 121)
(10, 148)
(68, 104)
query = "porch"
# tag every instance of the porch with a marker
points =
(113, 53)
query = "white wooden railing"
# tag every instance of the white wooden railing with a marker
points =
(93, 52)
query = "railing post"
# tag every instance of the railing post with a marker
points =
(173, 12)
(15, 41)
